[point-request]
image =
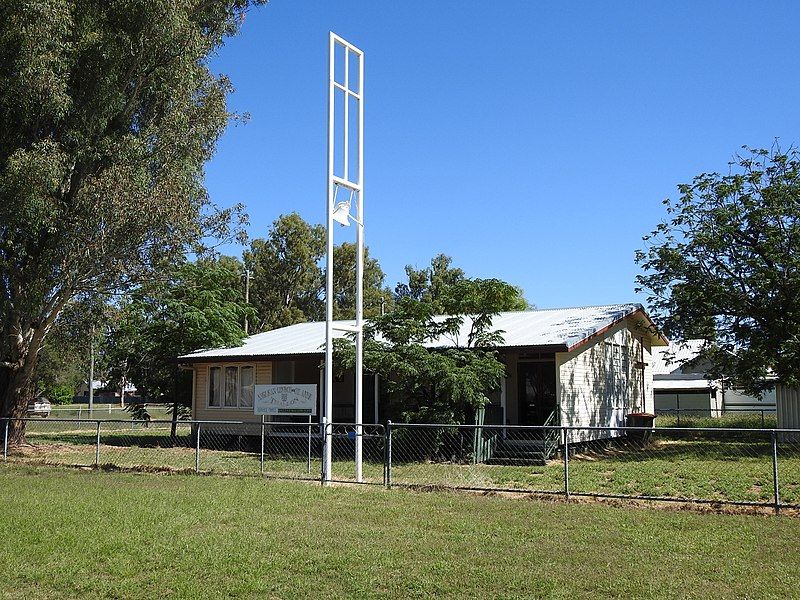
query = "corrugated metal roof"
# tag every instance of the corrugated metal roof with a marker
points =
(668, 360)
(565, 327)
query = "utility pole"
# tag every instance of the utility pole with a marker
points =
(246, 298)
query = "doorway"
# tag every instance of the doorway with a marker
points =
(537, 391)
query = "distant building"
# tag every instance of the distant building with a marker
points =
(103, 392)
(680, 384)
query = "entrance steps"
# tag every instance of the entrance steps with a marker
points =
(521, 452)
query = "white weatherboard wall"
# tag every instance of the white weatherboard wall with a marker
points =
(788, 405)
(599, 383)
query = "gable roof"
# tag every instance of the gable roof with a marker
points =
(561, 329)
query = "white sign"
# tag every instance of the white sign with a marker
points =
(286, 399)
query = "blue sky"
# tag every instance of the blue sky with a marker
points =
(532, 142)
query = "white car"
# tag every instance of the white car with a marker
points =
(39, 407)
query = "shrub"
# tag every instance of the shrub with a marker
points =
(60, 394)
(138, 412)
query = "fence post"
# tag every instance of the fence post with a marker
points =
(566, 461)
(261, 461)
(5, 441)
(388, 455)
(775, 486)
(308, 463)
(327, 440)
(97, 446)
(197, 450)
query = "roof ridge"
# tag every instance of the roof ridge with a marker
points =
(585, 306)
(502, 312)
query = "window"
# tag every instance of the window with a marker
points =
(231, 386)
(247, 384)
(214, 386)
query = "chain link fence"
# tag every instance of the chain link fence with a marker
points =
(280, 450)
(732, 417)
(707, 465)
(105, 411)
(343, 442)
(759, 467)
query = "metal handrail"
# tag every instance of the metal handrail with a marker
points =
(552, 436)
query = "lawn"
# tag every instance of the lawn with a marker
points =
(105, 411)
(88, 534)
(734, 420)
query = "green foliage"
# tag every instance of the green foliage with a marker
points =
(138, 411)
(430, 382)
(736, 420)
(200, 306)
(286, 276)
(289, 284)
(60, 394)
(181, 411)
(377, 298)
(64, 361)
(427, 381)
(443, 286)
(108, 113)
(724, 266)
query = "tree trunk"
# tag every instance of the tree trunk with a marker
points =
(15, 396)
(20, 357)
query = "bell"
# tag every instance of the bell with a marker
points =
(341, 213)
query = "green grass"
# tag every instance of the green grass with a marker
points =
(734, 420)
(92, 534)
(730, 469)
(105, 412)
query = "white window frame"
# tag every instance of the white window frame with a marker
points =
(223, 366)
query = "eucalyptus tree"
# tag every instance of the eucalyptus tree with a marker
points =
(108, 113)
(288, 281)
(286, 276)
(377, 297)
